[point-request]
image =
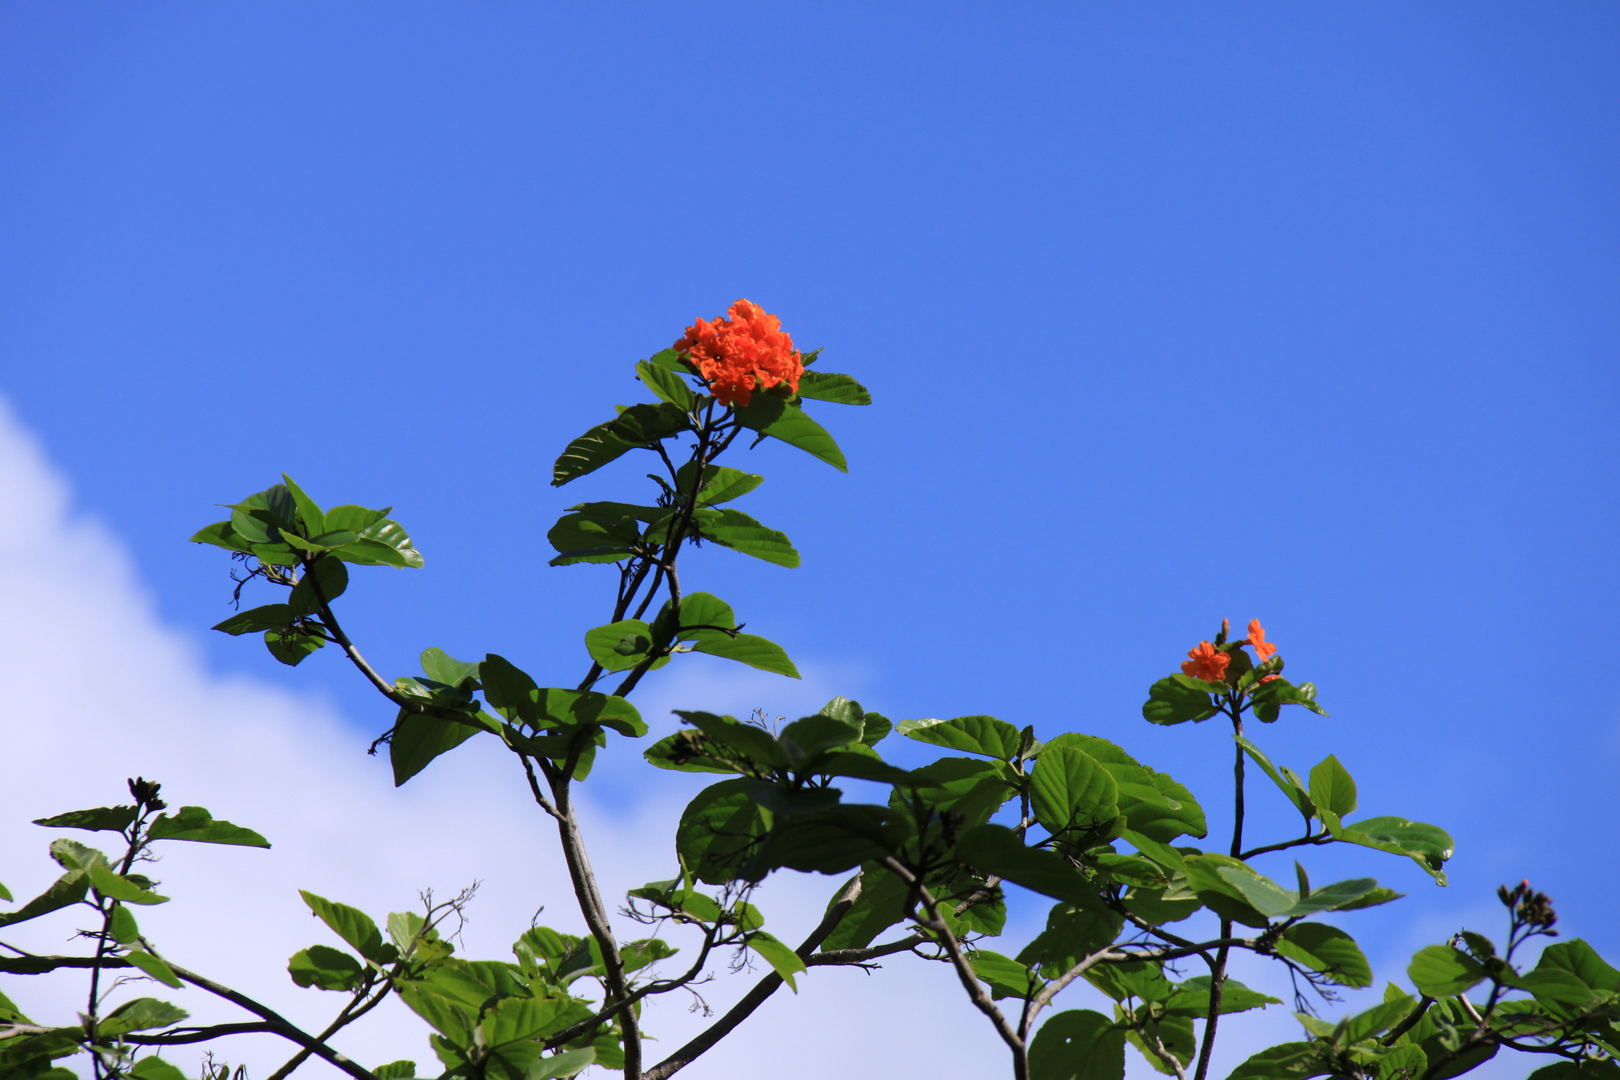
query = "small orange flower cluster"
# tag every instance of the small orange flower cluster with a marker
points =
(740, 354)
(1209, 663)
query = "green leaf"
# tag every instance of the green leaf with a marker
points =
(830, 841)
(1006, 977)
(325, 968)
(620, 646)
(719, 830)
(419, 738)
(155, 1068)
(750, 649)
(67, 889)
(153, 967)
(1077, 1045)
(736, 530)
(807, 737)
(324, 579)
(353, 926)
(291, 647)
(1427, 845)
(596, 532)
(197, 825)
(121, 925)
(382, 541)
(101, 819)
(1328, 950)
(1172, 702)
(441, 667)
(1582, 961)
(1581, 1070)
(1287, 1061)
(1071, 789)
(880, 905)
(703, 617)
(264, 617)
(1073, 932)
(220, 534)
(839, 389)
(996, 849)
(1296, 794)
(1191, 998)
(721, 484)
(1332, 788)
(639, 425)
(1439, 971)
(744, 740)
(667, 384)
(562, 1064)
(116, 886)
(395, 1070)
(783, 960)
(1270, 697)
(309, 512)
(140, 1015)
(971, 734)
(772, 416)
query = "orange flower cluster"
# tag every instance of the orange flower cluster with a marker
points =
(748, 351)
(1206, 662)
(1209, 663)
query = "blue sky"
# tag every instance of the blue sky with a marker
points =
(1170, 313)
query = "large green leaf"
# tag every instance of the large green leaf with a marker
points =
(1328, 950)
(745, 741)
(621, 645)
(1331, 786)
(667, 384)
(639, 425)
(142, 1014)
(101, 819)
(1286, 1061)
(1171, 701)
(719, 830)
(290, 646)
(70, 888)
(324, 580)
(254, 620)
(1427, 845)
(584, 536)
(1073, 932)
(1006, 977)
(736, 530)
(829, 841)
(197, 825)
(1191, 998)
(1071, 789)
(783, 960)
(115, 886)
(880, 905)
(153, 966)
(1270, 697)
(353, 926)
(827, 386)
(325, 968)
(419, 738)
(1582, 961)
(996, 849)
(770, 415)
(1077, 1045)
(972, 734)
(1295, 793)
(750, 649)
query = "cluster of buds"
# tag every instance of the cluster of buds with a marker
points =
(1529, 908)
(145, 793)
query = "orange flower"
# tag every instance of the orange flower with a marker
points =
(748, 351)
(1206, 662)
(1257, 637)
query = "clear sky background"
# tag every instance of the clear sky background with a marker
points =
(1170, 313)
